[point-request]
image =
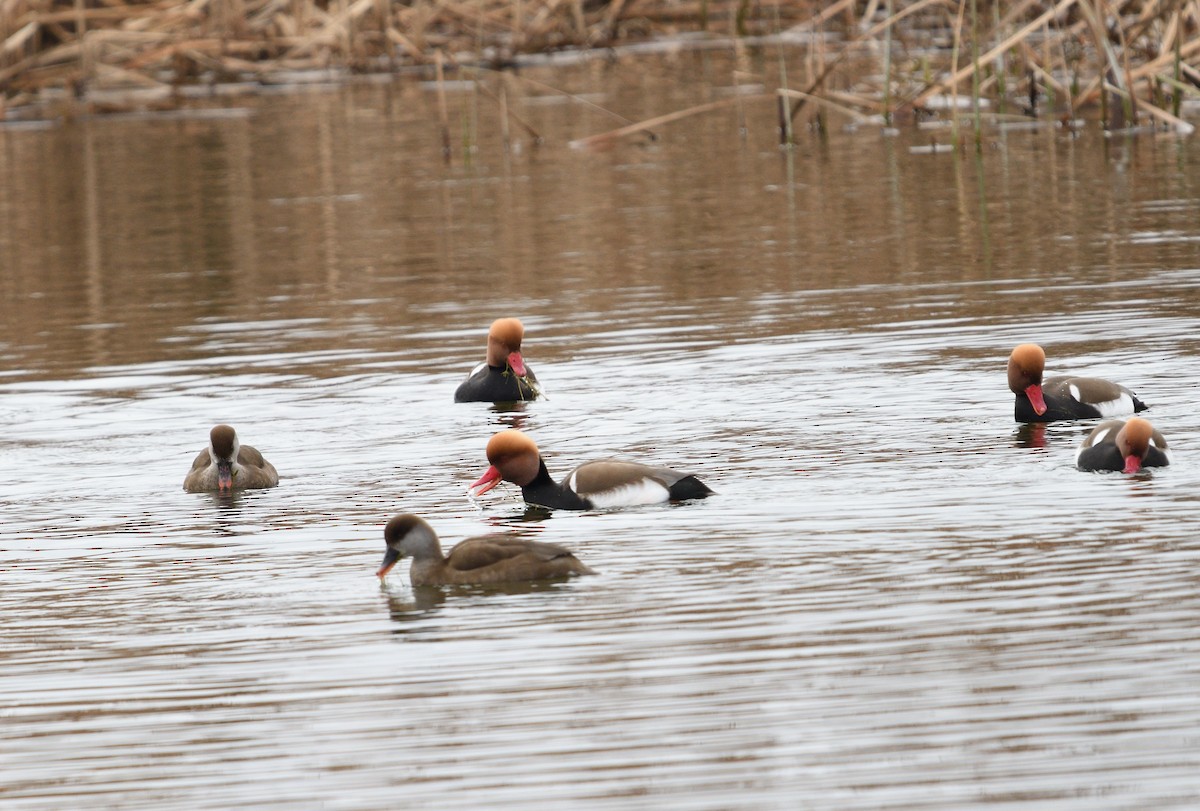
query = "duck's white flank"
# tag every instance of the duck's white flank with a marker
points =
(1107, 408)
(642, 491)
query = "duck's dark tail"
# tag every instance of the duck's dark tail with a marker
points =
(689, 487)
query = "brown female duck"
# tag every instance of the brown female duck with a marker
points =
(227, 465)
(475, 561)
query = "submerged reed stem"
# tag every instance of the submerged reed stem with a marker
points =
(887, 69)
(975, 105)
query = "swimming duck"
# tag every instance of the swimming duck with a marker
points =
(514, 457)
(227, 465)
(1063, 397)
(475, 561)
(1125, 445)
(503, 377)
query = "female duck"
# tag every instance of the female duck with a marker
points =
(514, 458)
(1125, 445)
(227, 465)
(1063, 397)
(504, 377)
(475, 561)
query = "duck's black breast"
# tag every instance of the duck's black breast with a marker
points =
(543, 491)
(1057, 408)
(1079, 398)
(1106, 456)
(1101, 457)
(492, 384)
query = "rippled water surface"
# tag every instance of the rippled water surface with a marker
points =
(898, 598)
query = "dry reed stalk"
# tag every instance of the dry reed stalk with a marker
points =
(828, 67)
(1166, 60)
(817, 68)
(958, 24)
(404, 42)
(1145, 48)
(828, 14)
(505, 135)
(1017, 36)
(443, 112)
(1162, 115)
(334, 31)
(17, 42)
(86, 67)
(786, 136)
(899, 16)
(827, 101)
(1015, 12)
(612, 14)
(526, 80)
(69, 54)
(853, 100)
(871, 10)
(1046, 77)
(1119, 116)
(600, 139)
(887, 69)
(507, 114)
(977, 116)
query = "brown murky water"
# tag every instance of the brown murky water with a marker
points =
(898, 599)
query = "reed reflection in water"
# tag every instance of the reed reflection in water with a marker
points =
(898, 598)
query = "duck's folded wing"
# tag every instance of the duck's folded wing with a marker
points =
(1091, 390)
(478, 553)
(201, 461)
(611, 476)
(249, 455)
(613, 483)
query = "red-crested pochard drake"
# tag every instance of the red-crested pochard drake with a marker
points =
(514, 458)
(504, 376)
(1125, 445)
(475, 561)
(226, 465)
(1063, 397)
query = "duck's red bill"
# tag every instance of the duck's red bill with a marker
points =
(1034, 393)
(517, 363)
(489, 479)
(224, 476)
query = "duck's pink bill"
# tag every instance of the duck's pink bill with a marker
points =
(517, 363)
(1034, 393)
(489, 479)
(1132, 464)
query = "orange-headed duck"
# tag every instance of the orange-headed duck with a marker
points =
(1125, 445)
(504, 376)
(1063, 397)
(514, 458)
(475, 561)
(226, 465)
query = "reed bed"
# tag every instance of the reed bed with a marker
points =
(1134, 62)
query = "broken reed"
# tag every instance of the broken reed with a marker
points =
(1136, 58)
